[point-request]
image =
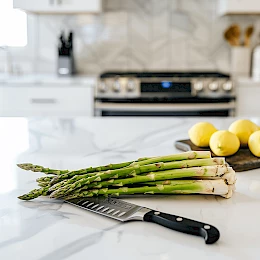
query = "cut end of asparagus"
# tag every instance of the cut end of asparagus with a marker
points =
(218, 187)
(231, 189)
(220, 160)
(230, 176)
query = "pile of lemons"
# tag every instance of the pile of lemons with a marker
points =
(241, 133)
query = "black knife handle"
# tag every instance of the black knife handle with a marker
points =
(189, 226)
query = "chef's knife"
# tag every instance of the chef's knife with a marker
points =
(125, 211)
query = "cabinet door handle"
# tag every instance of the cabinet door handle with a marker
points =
(43, 101)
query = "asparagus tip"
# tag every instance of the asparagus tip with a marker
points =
(52, 195)
(25, 166)
(55, 194)
(24, 197)
(30, 167)
(54, 181)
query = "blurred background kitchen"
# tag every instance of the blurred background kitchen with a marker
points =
(130, 58)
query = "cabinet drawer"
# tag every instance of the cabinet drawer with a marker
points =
(47, 101)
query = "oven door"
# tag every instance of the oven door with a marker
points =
(164, 109)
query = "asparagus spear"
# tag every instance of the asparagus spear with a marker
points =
(35, 193)
(121, 173)
(173, 182)
(38, 168)
(215, 187)
(177, 157)
(229, 177)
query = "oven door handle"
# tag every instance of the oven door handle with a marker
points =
(163, 107)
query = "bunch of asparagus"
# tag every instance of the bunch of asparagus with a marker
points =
(192, 172)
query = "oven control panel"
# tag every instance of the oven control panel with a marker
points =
(118, 88)
(130, 87)
(213, 88)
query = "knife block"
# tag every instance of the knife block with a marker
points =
(65, 65)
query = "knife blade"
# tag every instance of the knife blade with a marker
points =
(125, 211)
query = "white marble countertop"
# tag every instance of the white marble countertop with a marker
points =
(45, 229)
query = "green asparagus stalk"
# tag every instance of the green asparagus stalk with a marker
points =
(136, 169)
(215, 187)
(35, 193)
(38, 168)
(229, 177)
(177, 157)
(173, 182)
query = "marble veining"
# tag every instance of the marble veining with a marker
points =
(50, 229)
(78, 245)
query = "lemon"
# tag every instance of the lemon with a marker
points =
(243, 128)
(254, 143)
(224, 143)
(201, 132)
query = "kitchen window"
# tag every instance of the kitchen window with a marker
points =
(13, 25)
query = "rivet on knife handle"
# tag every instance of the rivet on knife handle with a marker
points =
(189, 226)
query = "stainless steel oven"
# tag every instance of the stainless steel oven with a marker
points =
(165, 94)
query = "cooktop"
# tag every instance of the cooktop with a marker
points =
(168, 74)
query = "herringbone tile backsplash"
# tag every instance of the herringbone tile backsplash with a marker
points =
(143, 35)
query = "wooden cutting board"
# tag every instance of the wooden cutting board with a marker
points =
(241, 161)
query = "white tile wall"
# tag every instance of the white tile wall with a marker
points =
(136, 35)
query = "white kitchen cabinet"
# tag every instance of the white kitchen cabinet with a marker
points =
(56, 100)
(59, 6)
(226, 7)
(248, 101)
